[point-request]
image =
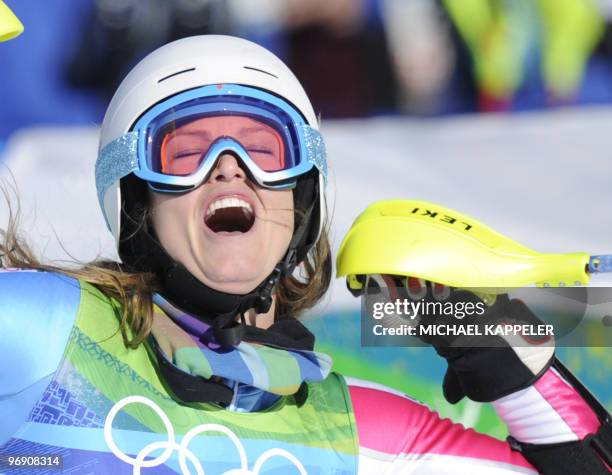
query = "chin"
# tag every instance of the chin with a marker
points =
(236, 275)
(234, 286)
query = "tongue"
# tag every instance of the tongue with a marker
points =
(229, 220)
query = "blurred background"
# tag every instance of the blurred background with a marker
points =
(501, 109)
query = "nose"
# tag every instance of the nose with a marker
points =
(227, 169)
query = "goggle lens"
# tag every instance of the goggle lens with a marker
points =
(182, 149)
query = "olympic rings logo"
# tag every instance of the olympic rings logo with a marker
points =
(170, 445)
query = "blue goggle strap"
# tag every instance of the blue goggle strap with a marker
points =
(116, 160)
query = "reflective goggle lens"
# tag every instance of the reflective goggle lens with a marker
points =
(182, 149)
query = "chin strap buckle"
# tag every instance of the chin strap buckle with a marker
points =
(228, 332)
(263, 300)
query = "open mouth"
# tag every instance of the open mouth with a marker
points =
(229, 215)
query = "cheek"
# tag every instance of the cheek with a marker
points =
(169, 213)
(282, 212)
(279, 205)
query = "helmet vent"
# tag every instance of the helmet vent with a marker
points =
(175, 74)
(261, 71)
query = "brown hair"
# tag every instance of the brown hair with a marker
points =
(134, 290)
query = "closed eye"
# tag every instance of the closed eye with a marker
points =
(260, 150)
(187, 153)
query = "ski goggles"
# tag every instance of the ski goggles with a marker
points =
(176, 144)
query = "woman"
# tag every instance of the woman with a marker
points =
(188, 357)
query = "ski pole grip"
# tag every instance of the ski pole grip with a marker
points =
(598, 264)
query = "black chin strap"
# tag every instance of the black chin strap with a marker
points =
(212, 306)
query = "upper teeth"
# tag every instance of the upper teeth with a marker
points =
(227, 203)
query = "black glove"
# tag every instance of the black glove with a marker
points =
(481, 366)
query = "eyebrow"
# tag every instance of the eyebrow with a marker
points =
(201, 133)
(205, 134)
(253, 129)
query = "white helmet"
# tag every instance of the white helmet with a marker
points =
(184, 65)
